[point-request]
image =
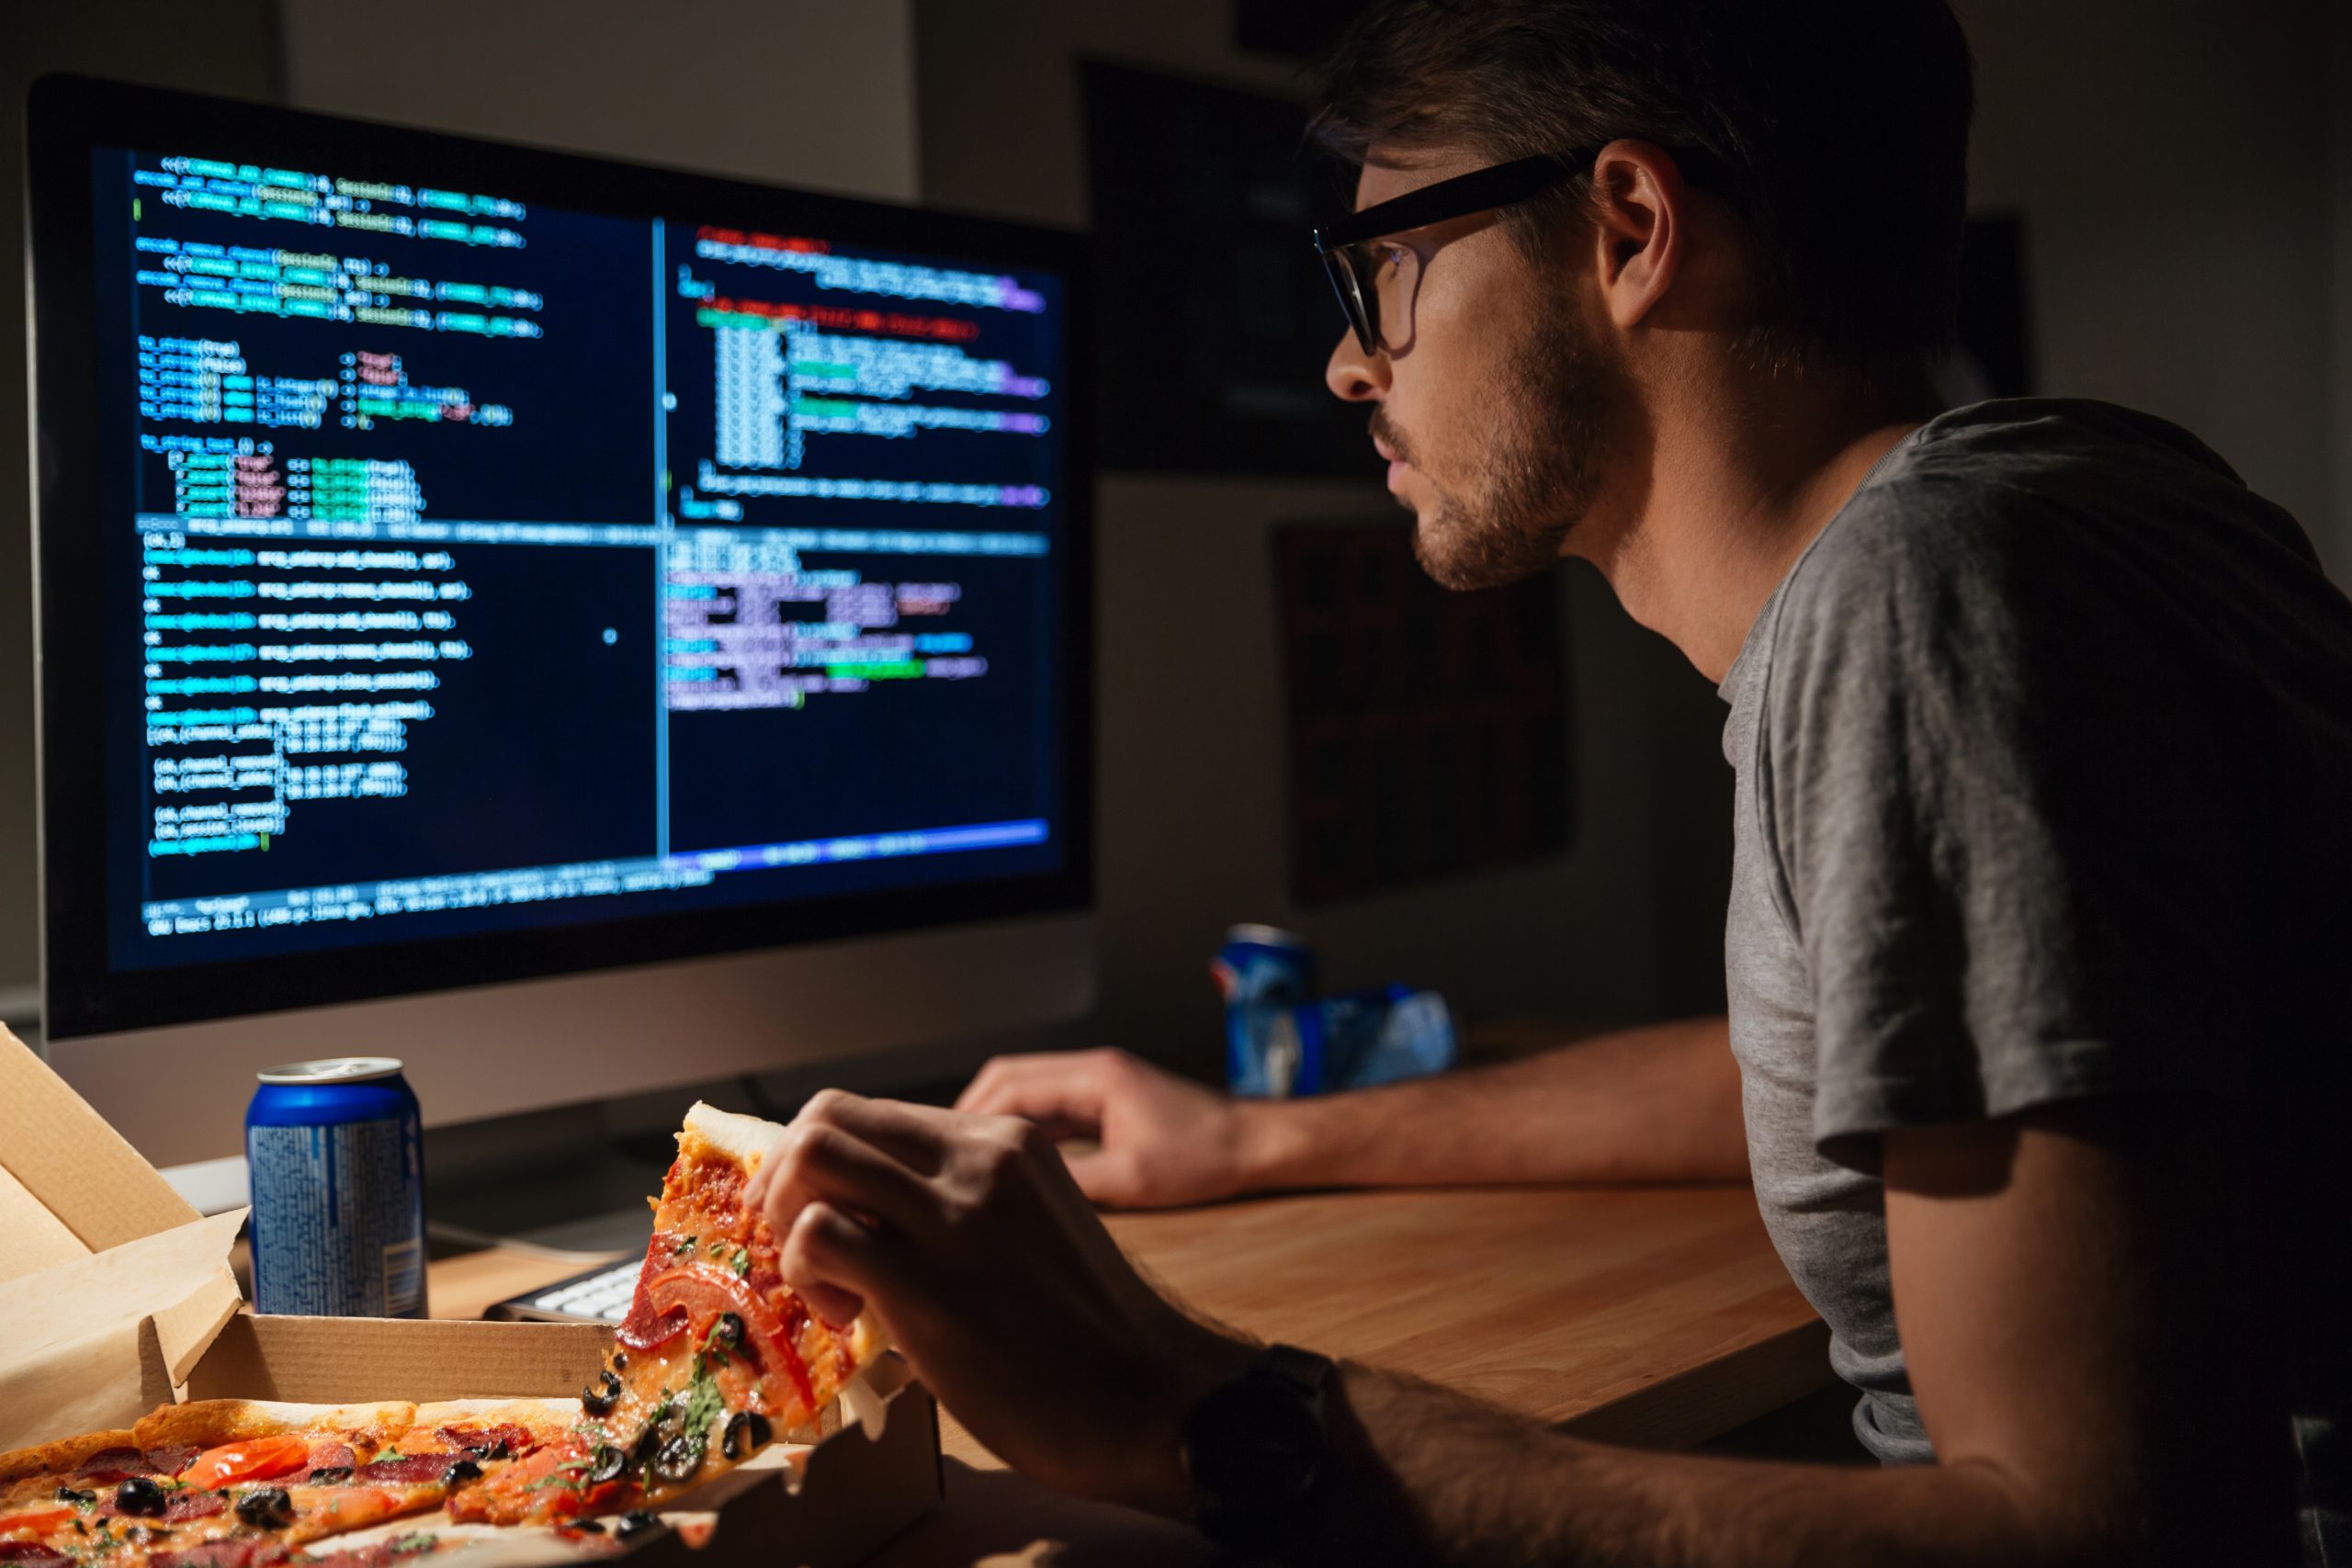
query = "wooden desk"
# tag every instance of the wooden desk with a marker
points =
(1658, 1317)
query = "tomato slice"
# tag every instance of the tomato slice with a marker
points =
(37, 1522)
(706, 1291)
(256, 1459)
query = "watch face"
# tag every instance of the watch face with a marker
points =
(1254, 1444)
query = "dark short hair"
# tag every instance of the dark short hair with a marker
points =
(1837, 129)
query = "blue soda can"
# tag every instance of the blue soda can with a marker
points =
(1263, 964)
(1261, 971)
(1352, 1041)
(336, 1150)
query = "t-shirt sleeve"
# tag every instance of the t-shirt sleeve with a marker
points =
(1982, 770)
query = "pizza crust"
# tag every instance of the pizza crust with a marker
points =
(206, 1423)
(66, 1454)
(535, 1415)
(746, 1139)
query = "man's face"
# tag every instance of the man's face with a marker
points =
(1495, 408)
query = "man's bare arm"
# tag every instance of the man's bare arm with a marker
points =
(2071, 1290)
(1654, 1104)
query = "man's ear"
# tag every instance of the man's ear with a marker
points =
(1638, 207)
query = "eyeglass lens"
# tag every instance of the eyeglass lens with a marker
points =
(1377, 283)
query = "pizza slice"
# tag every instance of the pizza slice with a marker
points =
(716, 1358)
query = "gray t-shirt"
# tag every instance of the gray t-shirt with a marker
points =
(2043, 757)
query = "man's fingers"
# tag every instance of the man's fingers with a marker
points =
(917, 1135)
(988, 1087)
(1067, 1090)
(817, 1161)
(833, 1263)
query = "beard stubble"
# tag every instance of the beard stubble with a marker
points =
(1539, 462)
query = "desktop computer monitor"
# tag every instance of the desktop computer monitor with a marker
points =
(573, 626)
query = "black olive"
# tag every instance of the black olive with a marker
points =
(642, 1447)
(620, 1361)
(587, 1527)
(726, 1333)
(139, 1495)
(463, 1471)
(79, 1499)
(680, 1457)
(746, 1431)
(328, 1475)
(266, 1507)
(497, 1449)
(599, 1397)
(637, 1521)
(607, 1463)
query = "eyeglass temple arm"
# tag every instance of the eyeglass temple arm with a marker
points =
(1477, 191)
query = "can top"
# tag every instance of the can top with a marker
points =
(333, 1069)
(1264, 936)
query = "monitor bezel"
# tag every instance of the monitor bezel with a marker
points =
(70, 117)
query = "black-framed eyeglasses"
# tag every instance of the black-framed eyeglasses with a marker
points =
(1369, 263)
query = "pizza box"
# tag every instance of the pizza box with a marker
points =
(116, 1296)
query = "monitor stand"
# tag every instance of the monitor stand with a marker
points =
(560, 1181)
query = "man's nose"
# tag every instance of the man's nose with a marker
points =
(1354, 376)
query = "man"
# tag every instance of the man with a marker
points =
(2041, 728)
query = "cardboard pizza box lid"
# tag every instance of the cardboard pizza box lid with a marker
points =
(111, 1285)
(70, 1184)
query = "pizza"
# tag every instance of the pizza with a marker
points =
(717, 1359)
(243, 1483)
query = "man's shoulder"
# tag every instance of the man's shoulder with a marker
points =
(2004, 498)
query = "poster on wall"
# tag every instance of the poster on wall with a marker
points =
(1213, 317)
(1427, 730)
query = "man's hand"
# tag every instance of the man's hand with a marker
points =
(1164, 1141)
(967, 1236)
(1659, 1103)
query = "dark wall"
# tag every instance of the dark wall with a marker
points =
(1627, 925)
(229, 47)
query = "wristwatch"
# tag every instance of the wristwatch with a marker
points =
(1254, 1446)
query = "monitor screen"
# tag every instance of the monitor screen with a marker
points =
(474, 578)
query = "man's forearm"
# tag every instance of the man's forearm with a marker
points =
(1417, 1474)
(1654, 1104)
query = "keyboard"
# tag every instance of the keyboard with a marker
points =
(601, 1295)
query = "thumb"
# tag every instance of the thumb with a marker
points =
(834, 1262)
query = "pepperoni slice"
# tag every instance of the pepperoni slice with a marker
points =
(224, 1554)
(515, 1440)
(109, 1465)
(32, 1554)
(193, 1504)
(406, 1470)
(330, 1456)
(171, 1457)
